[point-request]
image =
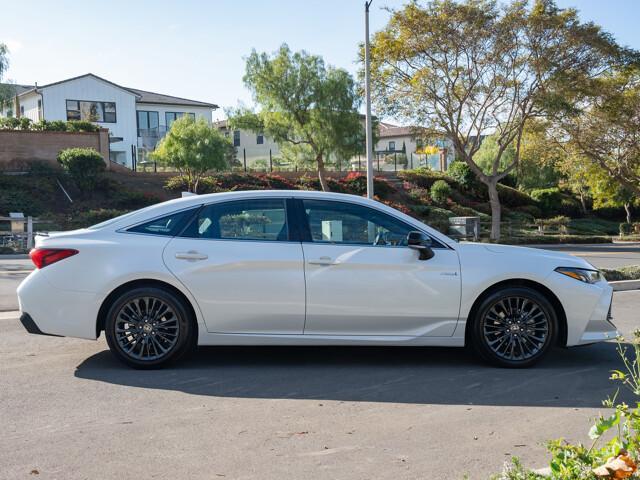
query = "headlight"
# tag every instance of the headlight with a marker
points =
(582, 274)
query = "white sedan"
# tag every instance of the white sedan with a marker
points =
(304, 268)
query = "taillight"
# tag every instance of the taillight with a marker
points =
(42, 257)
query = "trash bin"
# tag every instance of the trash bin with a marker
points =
(465, 227)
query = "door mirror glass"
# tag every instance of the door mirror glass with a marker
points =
(421, 243)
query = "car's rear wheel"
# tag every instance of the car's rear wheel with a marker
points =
(149, 327)
(514, 327)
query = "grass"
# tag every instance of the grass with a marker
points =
(630, 272)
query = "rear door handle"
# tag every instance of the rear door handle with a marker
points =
(191, 255)
(323, 261)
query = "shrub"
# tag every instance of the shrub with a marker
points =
(53, 126)
(548, 198)
(510, 197)
(424, 177)
(531, 210)
(86, 218)
(81, 126)
(85, 166)
(462, 174)
(560, 222)
(132, 200)
(625, 229)
(180, 183)
(440, 191)
(9, 123)
(25, 123)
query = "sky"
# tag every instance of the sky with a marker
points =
(197, 49)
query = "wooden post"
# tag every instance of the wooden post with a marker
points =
(395, 162)
(244, 155)
(270, 162)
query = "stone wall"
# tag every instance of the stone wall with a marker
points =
(18, 148)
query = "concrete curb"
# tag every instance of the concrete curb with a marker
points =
(625, 285)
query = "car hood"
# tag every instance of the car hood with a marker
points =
(513, 253)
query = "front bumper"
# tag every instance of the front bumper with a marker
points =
(600, 326)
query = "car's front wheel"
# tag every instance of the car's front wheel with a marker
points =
(514, 327)
(149, 327)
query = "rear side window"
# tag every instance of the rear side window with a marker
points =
(263, 219)
(169, 225)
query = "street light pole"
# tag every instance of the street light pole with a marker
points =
(367, 88)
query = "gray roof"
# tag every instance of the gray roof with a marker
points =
(389, 130)
(152, 97)
(142, 96)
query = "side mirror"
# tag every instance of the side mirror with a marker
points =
(422, 243)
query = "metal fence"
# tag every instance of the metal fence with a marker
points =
(19, 235)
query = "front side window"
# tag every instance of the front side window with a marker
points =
(168, 225)
(236, 138)
(241, 220)
(347, 223)
(260, 139)
(90, 111)
(392, 146)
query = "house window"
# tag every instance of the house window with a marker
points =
(148, 123)
(392, 146)
(260, 139)
(90, 111)
(22, 110)
(236, 138)
(170, 117)
(39, 109)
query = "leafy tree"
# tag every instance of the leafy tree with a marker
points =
(306, 107)
(606, 129)
(465, 69)
(7, 90)
(609, 192)
(84, 165)
(193, 147)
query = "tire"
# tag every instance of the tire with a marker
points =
(514, 327)
(149, 327)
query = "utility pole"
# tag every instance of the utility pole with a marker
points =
(367, 87)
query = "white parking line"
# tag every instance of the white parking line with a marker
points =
(9, 315)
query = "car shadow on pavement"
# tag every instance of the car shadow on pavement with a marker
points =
(576, 377)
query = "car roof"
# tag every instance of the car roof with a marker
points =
(165, 208)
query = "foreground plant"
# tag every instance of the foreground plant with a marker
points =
(615, 459)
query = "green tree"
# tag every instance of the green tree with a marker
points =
(309, 109)
(193, 147)
(7, 90)
(605, 131)
(465, 69)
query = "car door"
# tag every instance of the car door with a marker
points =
(237, 260)
(362, 279)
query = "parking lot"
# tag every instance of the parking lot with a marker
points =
(69, 410)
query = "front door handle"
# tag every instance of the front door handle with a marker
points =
(323, 261)
(191, 255)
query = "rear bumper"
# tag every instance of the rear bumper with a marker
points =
(31, 327)
(47, 310)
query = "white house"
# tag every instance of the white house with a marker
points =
(136, 119)
(250, 147)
